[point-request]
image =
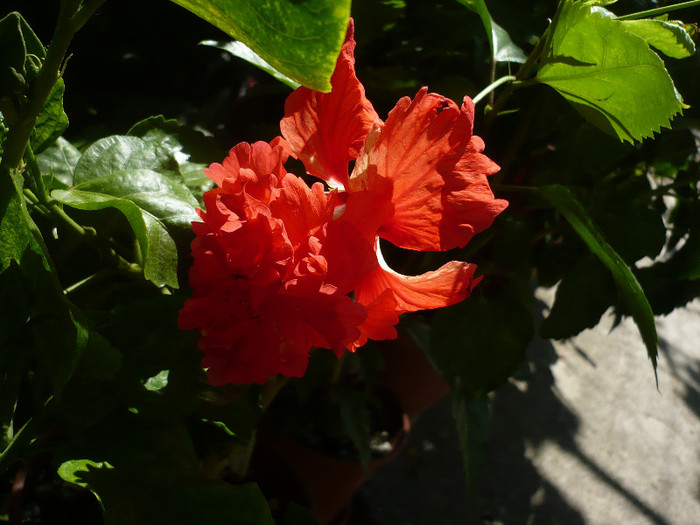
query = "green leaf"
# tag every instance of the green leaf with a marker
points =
(157, 382)
(301, 40)
(241, 50)
(577, 304)
(147, 472)
(3, 134)
(240, 416)
(184, 143)
(57, 163)
(627, 283)
(73, 470)
(195, 179)
(504, 48)
(609, 75)
(52, 121)
(17, 41)
(482, 356)
(118, 172)
(100, 361)
(191, 149)
(52, 327)
(472, 418)
(119, 153)
(356, 419)
(668, 36)
(479, 7)
(21, 55)
(598, 2)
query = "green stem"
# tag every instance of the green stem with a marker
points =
(94, 277)
(88, 9)
(19, 133)
(25, 435)
(44, 203)
(337, 370)
(659, 10)
(72, 16)
(271, 389)
(43, 195)
(522, 73)
(491, 87)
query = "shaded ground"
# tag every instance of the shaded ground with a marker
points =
(582, 437)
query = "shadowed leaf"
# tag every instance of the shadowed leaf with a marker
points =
(627, 283)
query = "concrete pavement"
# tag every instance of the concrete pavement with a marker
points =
(582, 436)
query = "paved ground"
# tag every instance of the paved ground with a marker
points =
(584, 438)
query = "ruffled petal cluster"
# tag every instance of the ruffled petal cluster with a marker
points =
(280, 267)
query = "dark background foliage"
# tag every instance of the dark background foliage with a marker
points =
(138, 59)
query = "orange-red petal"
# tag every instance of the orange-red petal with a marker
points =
(427, 152)
(382, 317)
(327, 130)
(450, 284)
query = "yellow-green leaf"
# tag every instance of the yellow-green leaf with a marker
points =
(300, 39)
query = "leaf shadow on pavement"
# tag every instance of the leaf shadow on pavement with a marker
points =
(426, 484)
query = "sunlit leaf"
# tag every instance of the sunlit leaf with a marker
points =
(157, 382)
(184, 143)
(609, 75)
(119, 172)
(57, 163)
(301, 40)
(627, 283)
(668, 36)
(192, 150)
(73, 470)
(504, 48)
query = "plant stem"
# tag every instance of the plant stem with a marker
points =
(337, 370)
(44, 203)
(88, 9)
(491, 87)
(271, 389)
(43, 195)
(25, 435)
(524, 70)
(659, 10)
(19, 133)
(90, 278)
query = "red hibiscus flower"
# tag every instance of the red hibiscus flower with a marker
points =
(275, 260)
(262, 297)
(419, 182)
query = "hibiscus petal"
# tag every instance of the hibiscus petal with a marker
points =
(450, 284)
(381, 320)
(326, 130)
(304, 210)
(259, 158)
(469, 206)
(426, 150)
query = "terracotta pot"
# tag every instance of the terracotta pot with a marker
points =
(411, 377)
